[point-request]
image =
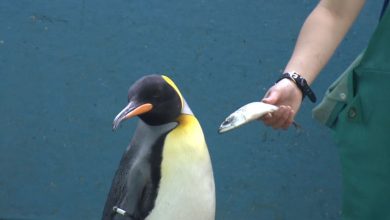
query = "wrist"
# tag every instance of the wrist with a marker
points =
(300, 83)
(291, 87)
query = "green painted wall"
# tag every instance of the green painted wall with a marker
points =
(65, 67)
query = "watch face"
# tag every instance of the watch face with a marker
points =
(294, 75)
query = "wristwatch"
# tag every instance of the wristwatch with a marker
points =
(301, 84)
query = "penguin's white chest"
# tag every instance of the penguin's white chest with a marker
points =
(186, 190)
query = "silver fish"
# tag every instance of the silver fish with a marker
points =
(246, 114)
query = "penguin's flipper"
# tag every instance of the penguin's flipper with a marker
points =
(138, 199)
(135, 184)
(127, 187)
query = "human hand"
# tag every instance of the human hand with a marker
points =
(288, 97)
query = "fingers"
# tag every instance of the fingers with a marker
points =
(287, 96)
(282, 118)
(289, 120)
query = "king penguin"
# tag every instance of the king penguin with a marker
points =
(165, 173)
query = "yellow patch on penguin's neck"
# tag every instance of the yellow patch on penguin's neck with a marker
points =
(171, 83)
(187, 138)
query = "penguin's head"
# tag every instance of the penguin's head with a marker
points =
(155, 99)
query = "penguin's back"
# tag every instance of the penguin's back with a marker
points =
(186, 190)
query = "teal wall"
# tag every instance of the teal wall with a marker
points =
(65, 67)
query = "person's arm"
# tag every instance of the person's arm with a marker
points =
(319, 37)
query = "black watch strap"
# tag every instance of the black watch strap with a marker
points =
(301, 84)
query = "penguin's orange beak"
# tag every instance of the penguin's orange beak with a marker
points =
(130, 111)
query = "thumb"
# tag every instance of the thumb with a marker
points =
(271, 97)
